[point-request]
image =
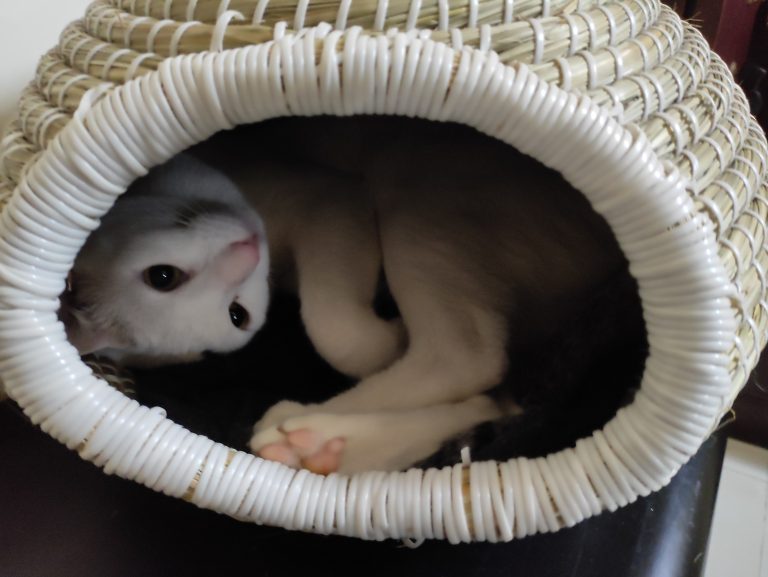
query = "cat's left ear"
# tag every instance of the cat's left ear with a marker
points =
(83, 332)
(86, 336)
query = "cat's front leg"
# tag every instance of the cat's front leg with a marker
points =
(357, 442)
(338, 262)
(450, 364)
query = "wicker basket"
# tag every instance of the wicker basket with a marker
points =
(622, 98)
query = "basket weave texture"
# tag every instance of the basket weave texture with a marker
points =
(650, 73)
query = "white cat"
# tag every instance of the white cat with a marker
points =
(178, 266)
(481, 248)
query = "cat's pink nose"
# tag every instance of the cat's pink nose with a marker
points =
(240, 259)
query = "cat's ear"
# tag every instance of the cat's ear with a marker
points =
(88, 337)
(83, 331)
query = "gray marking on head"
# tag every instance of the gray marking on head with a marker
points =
(186, 215)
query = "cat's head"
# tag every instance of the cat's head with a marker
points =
(178, 267)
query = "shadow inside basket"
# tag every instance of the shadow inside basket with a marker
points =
(568, 384)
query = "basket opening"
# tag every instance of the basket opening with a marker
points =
(570, 363)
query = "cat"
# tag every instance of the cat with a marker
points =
(484, 252)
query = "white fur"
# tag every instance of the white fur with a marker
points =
(116, 309)
(386, 440)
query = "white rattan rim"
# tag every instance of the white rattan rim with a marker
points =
(116, 137)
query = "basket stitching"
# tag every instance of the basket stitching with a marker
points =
(714, 210)
(693, 121)
(601, 479)
(220, 29)
(156, 27)
(538, 39)
(678, 81)
(654, 455)
(486, 38)
(753, 248)
(110, 62)
(343, 13)
(509, 11)
(729, 137)
(631, 18)
(414, 7)
(760, 153)
(258, 13)
(566, 76)
(45, 65)
(681, 59)
(93, 16)
(132, 24)
(178, 35)
(656, 43)
(573, 33)
(190, 13)
(206, 28)
(708, 101)
(443, 18)
(47, 90)
(693, 161)
(381, 14)
(729, 190)
(473, 8)
(92, 54)
(738, 108)
(578, 492)
(611, 24)
(76, 48)
(591, 63)
(130, 72)
(761, 275)
(745, 182)
(667, 22)
(110, 25)
(25, 114)
(618, 62)
(592, 28)
(650, 10)
(44, 122)
(659, 89)
(757, 339)
(222, 8)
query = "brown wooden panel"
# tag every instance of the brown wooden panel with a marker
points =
(727, 25)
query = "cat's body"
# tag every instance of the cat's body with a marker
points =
(482, 249)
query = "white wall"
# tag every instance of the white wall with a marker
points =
(28, 29)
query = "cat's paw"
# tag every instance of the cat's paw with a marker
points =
(348, 443)
(280, 412)
(301, 448)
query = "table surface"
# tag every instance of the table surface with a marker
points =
(62, 516)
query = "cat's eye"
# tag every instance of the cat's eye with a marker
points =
(238, 315)
(164, 277)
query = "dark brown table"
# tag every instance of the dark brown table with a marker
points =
(62, 517)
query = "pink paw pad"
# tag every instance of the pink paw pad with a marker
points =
(282, 453)
(305, 448)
